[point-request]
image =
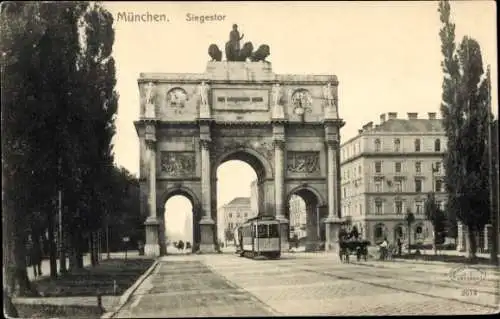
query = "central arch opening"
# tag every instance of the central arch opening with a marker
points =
(240, 194)
(178, 225)
(306, 215)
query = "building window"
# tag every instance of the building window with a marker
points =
(246, 214)
(239, 215)
(378, 167)
(436, 168)
(359, 169)
(437, 145)
(399, 207)
(360, 209)
(440, 204)
(419, 232)
(230, 215)
(345, 193)
(418, 167)
(398, 186)
(378, 146)
(378, 186)
(438, 185)
(417, 145)
(397, 167)
(378, 207)
(418, 207)
(418, 185)
(397, 145)
(379, 233)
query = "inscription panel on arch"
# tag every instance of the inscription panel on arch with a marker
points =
(240, 100)
(303, 162)
(178, 163)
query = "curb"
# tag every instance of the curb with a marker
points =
(130, 291)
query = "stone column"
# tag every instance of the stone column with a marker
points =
(152, 247)
(333, 220)
(206, 223)
(279, 192)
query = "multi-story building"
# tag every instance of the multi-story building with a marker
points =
(236, 212)
(387, 170)
(297, 209)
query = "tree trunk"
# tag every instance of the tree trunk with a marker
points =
(52, 245)
(24, 288)
(92, 248)
(471, 243)
(73, 251)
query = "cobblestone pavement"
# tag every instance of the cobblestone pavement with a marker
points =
(307, 284)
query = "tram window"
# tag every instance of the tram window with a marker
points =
(262, 231)
(274, 231)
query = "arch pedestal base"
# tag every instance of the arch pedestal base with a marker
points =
(152, 248)
(207, 240)
(332, 227)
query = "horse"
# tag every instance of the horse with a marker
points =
(214, 52)
(261, 54)
(241, 55)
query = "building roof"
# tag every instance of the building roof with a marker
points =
(414, 125)
(238, 201)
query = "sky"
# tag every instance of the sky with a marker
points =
(386, 55)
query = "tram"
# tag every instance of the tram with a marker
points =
(259, 236)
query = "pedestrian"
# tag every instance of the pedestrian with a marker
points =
(383, 249)
(36, 256)
(400, 244)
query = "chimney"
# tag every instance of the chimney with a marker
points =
(392, 115)
(360, 131)
(412, 116)
(382, 118)
(432, 115)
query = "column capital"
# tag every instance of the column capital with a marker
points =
(206, 144)
(334, 144)
(279, 144)
(151, 144)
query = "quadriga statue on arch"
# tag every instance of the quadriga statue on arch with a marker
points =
(235, 53)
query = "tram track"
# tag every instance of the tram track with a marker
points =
(399, 289)
(356, 274)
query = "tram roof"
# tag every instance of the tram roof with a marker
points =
(256, 218)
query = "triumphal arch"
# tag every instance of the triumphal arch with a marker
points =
(286, 126)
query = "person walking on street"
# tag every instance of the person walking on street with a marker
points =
(36, 257)
(383, 249)
(400, 244)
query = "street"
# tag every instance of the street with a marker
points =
(306, 284)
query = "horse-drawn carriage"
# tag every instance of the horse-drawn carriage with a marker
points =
(353, 246)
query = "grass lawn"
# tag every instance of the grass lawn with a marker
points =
(73, 295)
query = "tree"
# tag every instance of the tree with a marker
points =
(465, 113)
(437, 217)
(409, 219)
(57, 122)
